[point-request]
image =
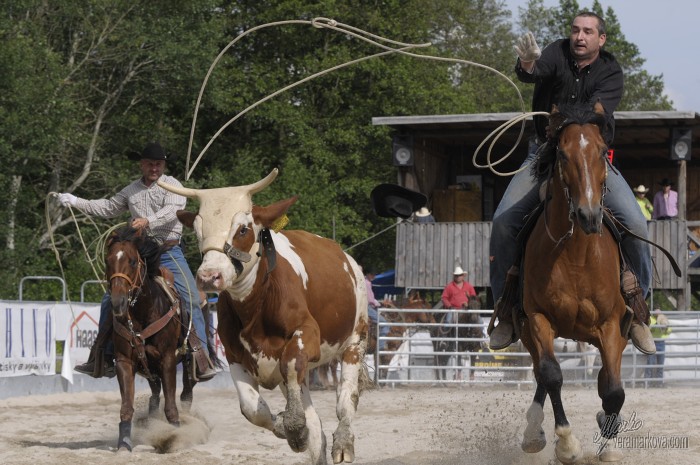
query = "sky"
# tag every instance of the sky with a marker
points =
(665, 33)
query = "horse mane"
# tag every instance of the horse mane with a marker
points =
(147, 247)
(566, 114)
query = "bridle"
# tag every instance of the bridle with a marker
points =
(567, 194)
(135, 285)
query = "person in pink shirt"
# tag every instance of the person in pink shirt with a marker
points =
(457, 293)
(666, 201)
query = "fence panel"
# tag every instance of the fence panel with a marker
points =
(412, 358)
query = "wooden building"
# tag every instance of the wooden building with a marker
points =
(435, 155)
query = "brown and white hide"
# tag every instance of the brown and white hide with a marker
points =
(277, 323)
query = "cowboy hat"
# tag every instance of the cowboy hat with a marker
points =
(459, 271)
(152, 151)
(641, 189)
(423, 212)
(391, 201)
(666, 182)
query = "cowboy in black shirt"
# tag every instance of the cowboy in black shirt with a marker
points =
(573, 70)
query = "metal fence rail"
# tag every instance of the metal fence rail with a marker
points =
(412, 358)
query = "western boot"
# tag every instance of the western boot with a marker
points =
(639, 332)
(203, 367)
(97, 366)
(642, 338)
(88, 368)
(504, 334)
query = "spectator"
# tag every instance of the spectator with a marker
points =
(640, 192)
(373, 313)
(660, 330)
(423, 216)
(666, 201)
(457, 293)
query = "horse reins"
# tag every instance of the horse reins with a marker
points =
(137, 339)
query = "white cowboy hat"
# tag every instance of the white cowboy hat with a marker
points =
(459, 271)
(641, 189)
(423, 212)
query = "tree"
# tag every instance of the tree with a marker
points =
(85, 81)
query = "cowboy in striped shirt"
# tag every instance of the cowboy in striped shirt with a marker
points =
(153, 208)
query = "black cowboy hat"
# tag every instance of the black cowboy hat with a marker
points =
(152, 151)
(666, 182)
(391, 201)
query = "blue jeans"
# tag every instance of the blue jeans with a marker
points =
(656, 359)
(173, 260)
(522, 196)
(383, 330)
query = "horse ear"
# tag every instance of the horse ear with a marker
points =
(598, 107)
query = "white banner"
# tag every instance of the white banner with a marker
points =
(79, 327)
(28, 333)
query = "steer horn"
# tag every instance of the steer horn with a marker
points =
(195, 193)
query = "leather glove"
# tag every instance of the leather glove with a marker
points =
(527, 48)
(67, 199)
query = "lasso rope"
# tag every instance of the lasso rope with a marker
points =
(326, 23)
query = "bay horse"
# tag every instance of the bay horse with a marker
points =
(571, 282)
(147, 326)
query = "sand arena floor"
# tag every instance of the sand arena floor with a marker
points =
(394, 426)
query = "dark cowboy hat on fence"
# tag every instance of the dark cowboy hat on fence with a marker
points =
(152, 151)
(391, 201)
(666, 182)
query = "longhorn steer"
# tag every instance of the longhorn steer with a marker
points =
(288, 302)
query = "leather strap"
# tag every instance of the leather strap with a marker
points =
(616, 222)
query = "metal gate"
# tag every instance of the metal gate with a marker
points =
(414, 360)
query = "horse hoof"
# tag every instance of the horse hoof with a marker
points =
(534, 445)
(568, 447)
(610, 453)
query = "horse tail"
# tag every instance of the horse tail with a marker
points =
(211, 348)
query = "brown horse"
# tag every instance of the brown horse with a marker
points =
(147, 327)
(571, 286)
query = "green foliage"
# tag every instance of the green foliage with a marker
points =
(85, 81)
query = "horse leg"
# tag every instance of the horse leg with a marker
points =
(188, 384)
(534, 438)
(154, 401)
(610, 391)
(125, 376)
(168, 373)
(568, 447)
(348, 396)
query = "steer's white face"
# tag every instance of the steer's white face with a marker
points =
(217, 271)
(225, 217)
